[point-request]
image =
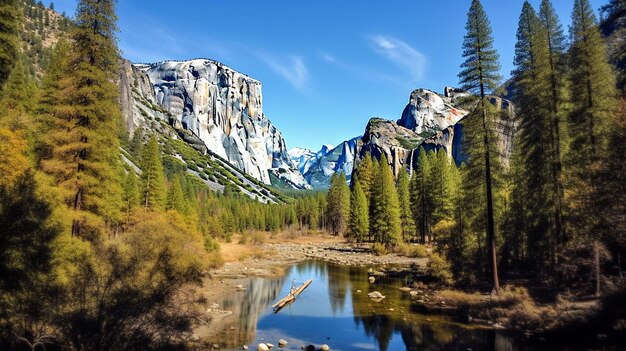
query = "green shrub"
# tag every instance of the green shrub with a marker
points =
(414, 251)
(439, 268)
(211, 244)
(379, 249)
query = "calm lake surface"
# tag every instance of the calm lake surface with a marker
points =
(332, 311)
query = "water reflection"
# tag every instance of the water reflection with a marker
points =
(335, 310)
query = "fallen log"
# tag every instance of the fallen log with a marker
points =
(291, 296)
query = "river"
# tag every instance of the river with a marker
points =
(335, 310)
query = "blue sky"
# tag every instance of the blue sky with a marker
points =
(326, 66)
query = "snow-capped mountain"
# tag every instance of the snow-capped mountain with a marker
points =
(318, 167)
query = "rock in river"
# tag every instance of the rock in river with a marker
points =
(262, 347)
(376, 295)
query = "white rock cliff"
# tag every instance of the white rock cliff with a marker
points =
(224, 108)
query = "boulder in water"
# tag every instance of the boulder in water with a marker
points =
(262, 347)
(375, 295)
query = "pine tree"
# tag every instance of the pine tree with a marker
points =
(593, 85)
(18, 101)
(386, 225)
(552, 75)
(534, 137)
(406, 215)
(9, 26)
(479, 75)
(612, 182)
(85, 147)
(176, 198)
(136, 143)
(358, 223)
(46, 102)
(421, 201)
(365, 173)
(338, 203)
(130, 191)
(440, 186)
(153, 192)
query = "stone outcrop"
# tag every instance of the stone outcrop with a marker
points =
(222, 108)
(429, 120)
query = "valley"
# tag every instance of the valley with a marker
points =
(150, 200)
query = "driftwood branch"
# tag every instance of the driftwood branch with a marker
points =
(293, 294)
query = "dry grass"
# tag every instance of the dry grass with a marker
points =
(250, 244)
(412, 250)
(514, 308)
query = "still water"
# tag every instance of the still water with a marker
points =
(336, 310)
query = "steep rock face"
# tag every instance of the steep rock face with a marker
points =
(223, 108)
(429, 120)
(428, 112)
(132, 79)
(384, 137)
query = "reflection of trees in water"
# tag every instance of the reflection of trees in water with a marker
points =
(416, 332)
(247, 306)
(338, 286)
(319, 268)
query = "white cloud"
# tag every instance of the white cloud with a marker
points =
(293, 69)
(328, 58)
(400, 54)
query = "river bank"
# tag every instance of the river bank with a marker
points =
(513, 310)
(269, 259)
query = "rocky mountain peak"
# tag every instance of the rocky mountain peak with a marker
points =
(428, 111)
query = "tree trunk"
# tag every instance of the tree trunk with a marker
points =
(491, 237)
(596, 264)
(619, 263)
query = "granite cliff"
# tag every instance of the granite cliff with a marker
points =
(429, 120)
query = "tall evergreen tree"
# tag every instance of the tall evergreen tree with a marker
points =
(534, 136)
(593, 85)
(406, 215)
(365, 174)
(552, 76)
(421, 201)
(9, 26)
(479, 75)
(358, 222)
(386, 225)
(338, 204)
(85, 156)
(153, 192)
(176, 198)
(440, 186)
